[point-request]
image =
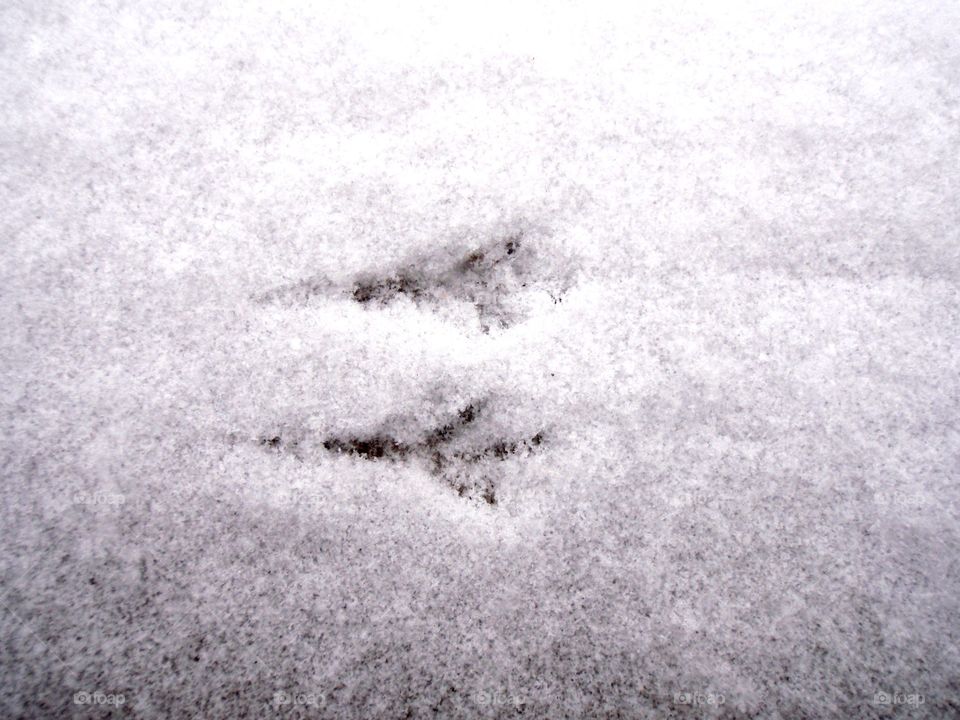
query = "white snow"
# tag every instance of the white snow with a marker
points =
(651, 311)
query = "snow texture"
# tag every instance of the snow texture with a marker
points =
(571, 360)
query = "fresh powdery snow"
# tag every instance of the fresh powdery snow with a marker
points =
(477, 360)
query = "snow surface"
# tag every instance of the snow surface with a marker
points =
(364, 360)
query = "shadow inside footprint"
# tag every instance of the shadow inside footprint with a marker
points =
(370, 448)
(386, 289)
(478, 279)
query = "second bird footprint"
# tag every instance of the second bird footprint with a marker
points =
(500, 280)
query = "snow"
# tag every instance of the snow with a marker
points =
(374, 360)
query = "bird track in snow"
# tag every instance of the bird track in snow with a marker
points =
(493, 278)
(464, 461)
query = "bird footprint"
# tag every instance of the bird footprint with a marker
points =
(497, 279)
(460, 451)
